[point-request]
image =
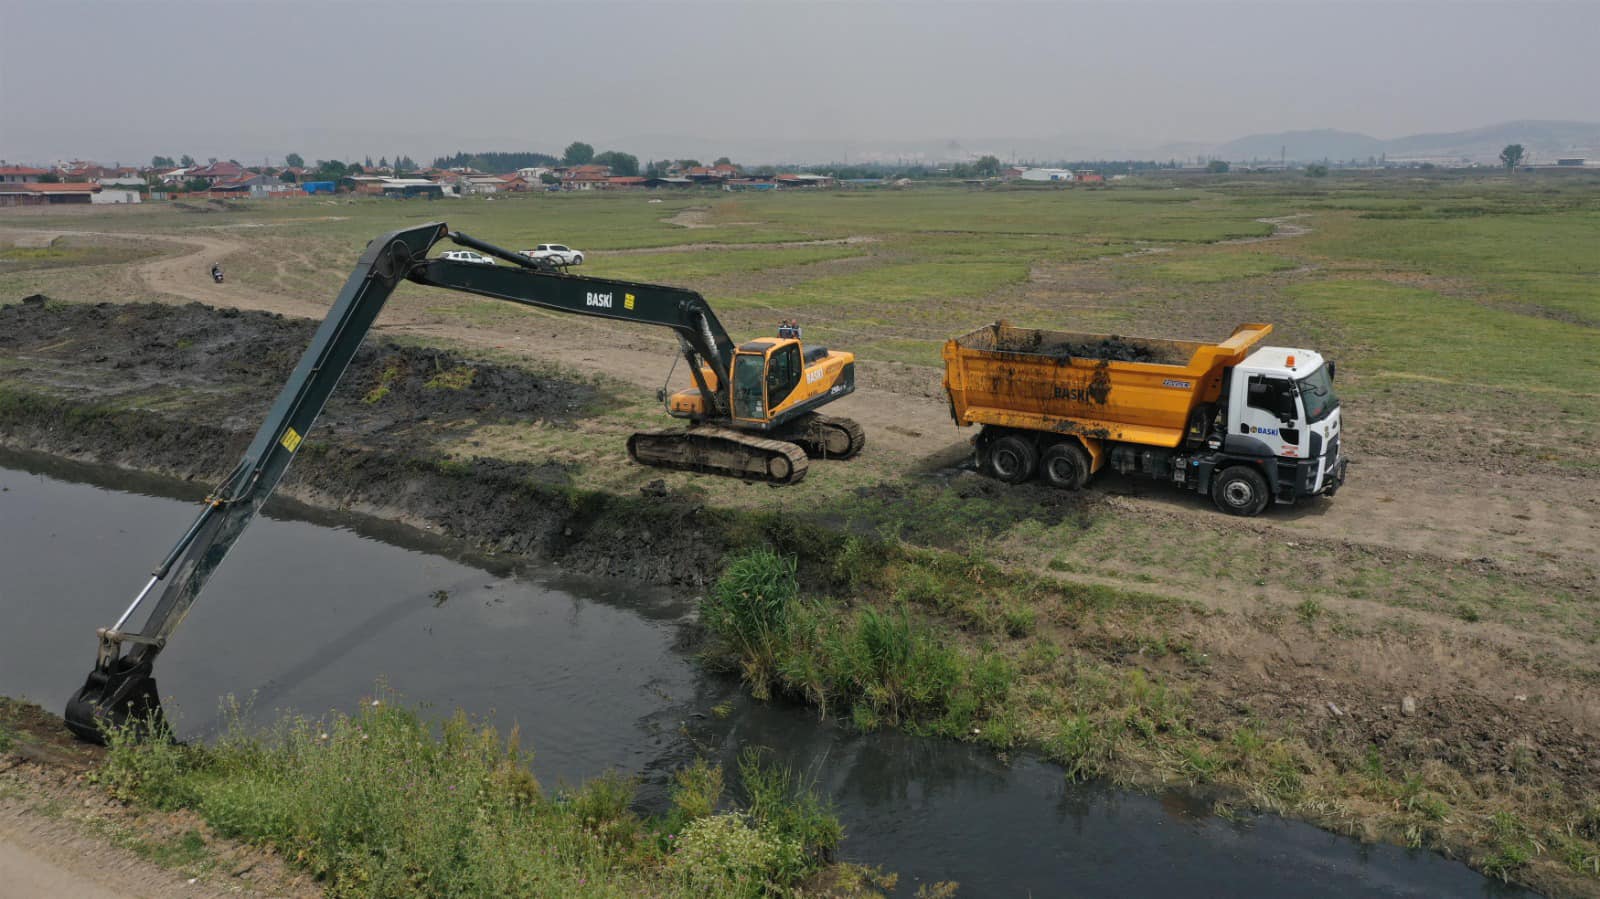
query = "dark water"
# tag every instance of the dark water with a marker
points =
(311, 610)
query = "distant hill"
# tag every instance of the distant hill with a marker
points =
(1544, 141)
(1302, 146)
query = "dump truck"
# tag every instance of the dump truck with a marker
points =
(1247, 425)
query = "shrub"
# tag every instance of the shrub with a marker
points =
(749, 608)
(696, 792)
(791, 811)
(724, 856)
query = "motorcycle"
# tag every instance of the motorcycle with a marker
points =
(216, 275)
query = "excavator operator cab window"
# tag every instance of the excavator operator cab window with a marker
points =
(783, 373)
(749, 393)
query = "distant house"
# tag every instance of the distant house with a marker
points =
(668, 181)
(1011, 174)
(251, 184)
(218, 171)
(20, 174)
(1062, 175)
(482, 184)
(534, 174)
(584, 177)
(621, 182)
(1571, 160)
(1085, 177)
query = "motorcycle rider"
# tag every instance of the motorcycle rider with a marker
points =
(216, 272)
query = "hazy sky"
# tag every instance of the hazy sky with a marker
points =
(121, 81)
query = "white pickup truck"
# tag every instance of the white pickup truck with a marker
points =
(562, 255)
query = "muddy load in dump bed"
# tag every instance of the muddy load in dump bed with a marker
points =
(1250, 425)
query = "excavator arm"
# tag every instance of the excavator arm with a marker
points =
(121, 689)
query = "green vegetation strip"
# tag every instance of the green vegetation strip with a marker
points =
(383, 804)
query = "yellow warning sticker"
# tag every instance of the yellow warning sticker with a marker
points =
(627, 301)
(291, 439)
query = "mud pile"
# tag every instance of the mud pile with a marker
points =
(1112, 349)
(237, 361)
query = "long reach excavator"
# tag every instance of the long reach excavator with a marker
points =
(751, 414)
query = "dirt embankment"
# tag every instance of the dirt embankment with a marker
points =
(180, 390)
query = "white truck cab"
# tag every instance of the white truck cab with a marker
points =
(1279, 408)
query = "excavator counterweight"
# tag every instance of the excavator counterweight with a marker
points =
(751, 415)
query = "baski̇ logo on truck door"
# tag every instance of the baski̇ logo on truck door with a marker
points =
(603, 300)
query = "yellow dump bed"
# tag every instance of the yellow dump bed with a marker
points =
(1131, 389)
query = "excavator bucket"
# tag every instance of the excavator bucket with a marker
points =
(123, 697)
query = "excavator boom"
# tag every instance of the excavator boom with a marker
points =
(121, 689)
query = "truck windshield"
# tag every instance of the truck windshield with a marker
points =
(749, 389)
(1316, 391)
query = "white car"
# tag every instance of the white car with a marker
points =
(467, 256)
(561, 255)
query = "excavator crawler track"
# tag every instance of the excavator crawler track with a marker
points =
(715, 450)
(826, 437)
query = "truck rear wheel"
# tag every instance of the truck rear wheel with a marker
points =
(1012, 459)
(1240, 490)
(1065, 465)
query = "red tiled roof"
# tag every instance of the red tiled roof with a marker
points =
(625, 179)
(60, 188)
(21, 170)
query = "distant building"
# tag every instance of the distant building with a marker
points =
(1572, 160)
(217, 171)
(803, 179)
(1062, 175)
(1086, 177)
(114, 196)
(250, 184)
(41, 194)
(584, 177)
(20, 174)
(408, 188)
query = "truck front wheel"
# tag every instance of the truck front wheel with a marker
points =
(1065, 465)
(1240, 490)
(1012, 459)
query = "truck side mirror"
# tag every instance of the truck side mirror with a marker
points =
(1330, 369)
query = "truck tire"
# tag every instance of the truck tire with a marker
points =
(1012, 459)
(1065, 465)
(1240, 490)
